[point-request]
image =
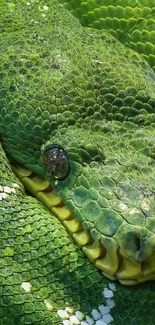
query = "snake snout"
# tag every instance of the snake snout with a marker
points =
(137, 252)
(136, 241)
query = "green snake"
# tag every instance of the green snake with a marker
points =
(77, 163)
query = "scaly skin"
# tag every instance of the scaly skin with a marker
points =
(132, 22)
(63, 84)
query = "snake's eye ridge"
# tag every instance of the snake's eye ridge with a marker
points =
(56, 162)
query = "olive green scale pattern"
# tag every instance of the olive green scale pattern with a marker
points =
(36, 250)
(44, 88)
(130, 21)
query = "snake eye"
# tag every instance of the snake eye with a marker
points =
(56, 162)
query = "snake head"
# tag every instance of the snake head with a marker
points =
(100, 181)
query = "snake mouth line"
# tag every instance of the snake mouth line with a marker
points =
(110, 259)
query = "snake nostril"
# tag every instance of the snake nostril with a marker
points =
(133, 242)
(136, 242)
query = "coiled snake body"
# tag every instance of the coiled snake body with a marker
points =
(77, 126)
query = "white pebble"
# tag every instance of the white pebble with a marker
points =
(48, 304)
(84, 323)
(1, 188)
(108, 293)
(26, 286)
(69, 310)
(110, 303)
(45, 7)
(112, 286)
(104, 309)
(74, 320)
(89, 320)
(96, 315)
(63, 314)
(15, 185)
(7, 189)
(107, 318)
(66, 322)
(3, 196)
(100, 322)
(79, 315)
